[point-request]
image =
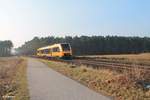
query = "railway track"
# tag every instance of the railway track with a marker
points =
(109, 65)
(116, 60)
(98, 64)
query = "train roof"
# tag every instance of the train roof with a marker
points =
(50, 46)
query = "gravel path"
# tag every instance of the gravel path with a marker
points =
(47, 84)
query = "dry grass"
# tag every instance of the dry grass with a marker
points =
(21, 81)
(136, 57)
(145, 56)
(12, 78)
(122, 86)
(142, 59)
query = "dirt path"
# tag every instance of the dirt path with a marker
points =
(46, 84)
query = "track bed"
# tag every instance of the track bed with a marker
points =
(108, 63)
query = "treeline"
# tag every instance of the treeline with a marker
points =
(5, 48)
(86, 45)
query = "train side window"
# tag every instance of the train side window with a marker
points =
(53, 49)
(56, 49)
(46, 51)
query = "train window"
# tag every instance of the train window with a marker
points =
(56, 49)
(65, 47)
(53, 49)
(46, 51)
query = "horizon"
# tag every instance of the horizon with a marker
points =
(83, 35)
(21, 21)
(17, 46)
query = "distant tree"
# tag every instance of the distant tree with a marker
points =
(5, 48)
(86, 45)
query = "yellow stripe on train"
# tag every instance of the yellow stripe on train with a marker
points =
(61, 50)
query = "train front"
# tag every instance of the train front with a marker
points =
(66, 51)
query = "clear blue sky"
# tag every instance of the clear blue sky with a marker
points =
(21, 20)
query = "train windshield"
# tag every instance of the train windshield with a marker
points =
(65, 47)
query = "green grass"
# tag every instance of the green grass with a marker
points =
(107, 82)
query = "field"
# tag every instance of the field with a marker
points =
(13, 84)
(130, 84)
(143, 58)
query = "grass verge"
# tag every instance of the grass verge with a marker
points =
(21, 81)
(118, 85)
(13, 80)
